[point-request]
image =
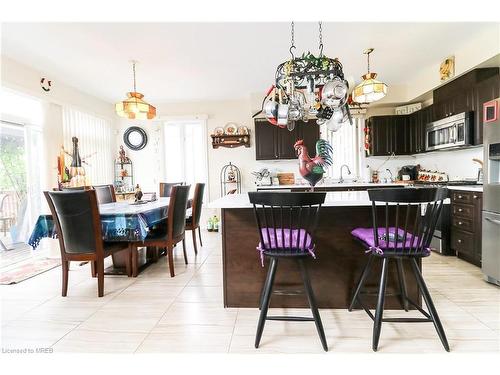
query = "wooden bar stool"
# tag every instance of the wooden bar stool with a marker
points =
(404, 237)
(286, 224)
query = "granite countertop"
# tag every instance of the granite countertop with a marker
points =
(333, 199)
(332, 185)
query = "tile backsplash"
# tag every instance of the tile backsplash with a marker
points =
(457, 164)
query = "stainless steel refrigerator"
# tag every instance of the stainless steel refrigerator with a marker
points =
(491, 192)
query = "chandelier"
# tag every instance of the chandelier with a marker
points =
(369, 90)
(134, 107)
(308, 86)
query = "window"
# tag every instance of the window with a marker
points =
(186, 152)
(94, 142)
(346, 148)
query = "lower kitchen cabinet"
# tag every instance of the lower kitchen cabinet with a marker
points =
(466, 226)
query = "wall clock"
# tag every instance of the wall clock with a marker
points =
(135, 138)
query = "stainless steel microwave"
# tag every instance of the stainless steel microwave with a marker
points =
(453, 131)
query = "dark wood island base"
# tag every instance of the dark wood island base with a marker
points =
(334, 274)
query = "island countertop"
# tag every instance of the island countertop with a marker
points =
(333, 199)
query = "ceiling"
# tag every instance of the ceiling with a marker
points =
(214, 61)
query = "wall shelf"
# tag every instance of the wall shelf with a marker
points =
(230, 140)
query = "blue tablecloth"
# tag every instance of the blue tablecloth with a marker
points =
(121, 221)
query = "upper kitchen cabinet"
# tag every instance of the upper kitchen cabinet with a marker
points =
(400, 134)
(265, 150)
(484, 91)
(274, 143)
(467, 93)
(390, 135)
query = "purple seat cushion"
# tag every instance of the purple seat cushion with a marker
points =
(285, 239)
(366, 236)
(290, 237)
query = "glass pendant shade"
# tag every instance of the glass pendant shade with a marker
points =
(369, 90)
(134, 107)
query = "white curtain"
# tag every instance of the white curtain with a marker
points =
(94, 142)
(346, 148)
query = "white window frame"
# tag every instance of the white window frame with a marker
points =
(358, 124)
(179, 120)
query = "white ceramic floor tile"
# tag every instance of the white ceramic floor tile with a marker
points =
(157, 313)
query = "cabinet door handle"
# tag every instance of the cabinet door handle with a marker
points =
(493, 221)
(459, 223)
(459, 241)
(460, 210)
(459, 197)
(475, 196)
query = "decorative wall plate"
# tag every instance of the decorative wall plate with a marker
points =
(231, 128)
(219, 131)
(242, 130)
(135, 138)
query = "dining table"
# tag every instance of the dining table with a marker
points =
(123, 221)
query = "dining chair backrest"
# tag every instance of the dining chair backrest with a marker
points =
(199, 189)
(412, 222)
(177, 206)
(77, 220)
(105, 193)
(166, 188)
(286, 216)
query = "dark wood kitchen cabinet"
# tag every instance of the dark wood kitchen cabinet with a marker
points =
(417, 122)
(274, 143)
(398, 134)
(467, 93)
(466, 225)
(484, 91)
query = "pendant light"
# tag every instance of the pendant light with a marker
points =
(134, 107)
(369, 90)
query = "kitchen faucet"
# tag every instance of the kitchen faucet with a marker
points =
(348, 172)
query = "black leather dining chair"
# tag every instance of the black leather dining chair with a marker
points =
(193, 221)
(166, 188)
(78, 227)
(404, 236)
(105, 193)
(170, 233)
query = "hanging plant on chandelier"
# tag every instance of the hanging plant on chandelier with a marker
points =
(308, 86)
(134, 107)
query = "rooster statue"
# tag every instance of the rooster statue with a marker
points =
(312, 169)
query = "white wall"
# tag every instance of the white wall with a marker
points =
(24, 79)
(219, 113)
(457, 164)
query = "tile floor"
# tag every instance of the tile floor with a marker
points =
(155, 313)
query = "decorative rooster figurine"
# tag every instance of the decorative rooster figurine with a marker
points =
(312, 169)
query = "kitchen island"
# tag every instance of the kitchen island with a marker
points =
(334, 273)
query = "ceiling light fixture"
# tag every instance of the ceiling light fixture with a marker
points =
(134, 107)
(369, 90)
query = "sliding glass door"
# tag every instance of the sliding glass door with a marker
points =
(21, 167)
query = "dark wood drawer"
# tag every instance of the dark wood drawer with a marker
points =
(463, 210)
(462, 223)
(462, 197)
(462, 241)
